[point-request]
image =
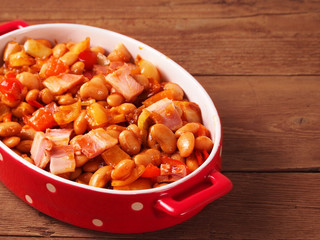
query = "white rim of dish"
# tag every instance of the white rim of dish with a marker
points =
(154, 51)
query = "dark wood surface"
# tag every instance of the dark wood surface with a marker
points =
(260, 63)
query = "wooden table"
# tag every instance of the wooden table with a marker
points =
(260, 62)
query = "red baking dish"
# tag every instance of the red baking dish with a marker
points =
(113, 210)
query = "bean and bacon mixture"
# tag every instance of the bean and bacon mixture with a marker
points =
(97, 118)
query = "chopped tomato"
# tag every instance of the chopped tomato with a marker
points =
(174, 162)
(89, 58)
(168, 169)
(42, 119)
(159, 96)
(205, 154)
(11, 88)
(35, 103)
(151, 171)
(199, 158)
(55, 67)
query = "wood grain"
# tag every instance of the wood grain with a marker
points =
(219, 37)
(261, 206)
(269, 123)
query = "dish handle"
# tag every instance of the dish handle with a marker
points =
(11, 26)
(220, 186)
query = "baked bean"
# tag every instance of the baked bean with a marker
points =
(115, 99)
(11, 142)
(129, 142)
(92, 165)
(80, 159)
(66, 99)
(11, 48)
(9, 129)
(77, 67)
(59, 50)
(175, 89)
(24, 146)
(148, 156)
(46, 96)
(185, 144)
(101, 177)
(69, 58)
(102, 59)
(149, 70)
(32, 95)
(189, 127)
(144, 81)
(192, 163)
(139, 184)
(16, 151)
(127, 108)
(80, 124)
(203, 143)
(161, 134)
(116, 127)
(135, 174)
(84, 178)
(22, 109)
(95, 88)
(120, 53)
(136, 130)
(113, 133)
(27, 158)
(65, 175)
(31, 81)
(98, 49)
(27, 132)
(74, 175)
(123, 169)
(103, 103)
(178, 157)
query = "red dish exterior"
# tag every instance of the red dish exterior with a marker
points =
(110, 210)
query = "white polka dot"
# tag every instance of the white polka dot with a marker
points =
(29, 199)
(97, 222)
(220, 151)
(1, 157)
(137, 206)
(51, 188)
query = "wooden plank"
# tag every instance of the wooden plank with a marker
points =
(269, 123)
(268, 205)
(250, 38)
(155, 9)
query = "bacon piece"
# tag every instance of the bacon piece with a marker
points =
(60, 84)
(171, 173)
(59, 137)
(164, 111)
(105, 70)
(124, 83)
(62, 159)
(94, 142)
(40, 150)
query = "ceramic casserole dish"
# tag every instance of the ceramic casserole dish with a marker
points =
(114, 210)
